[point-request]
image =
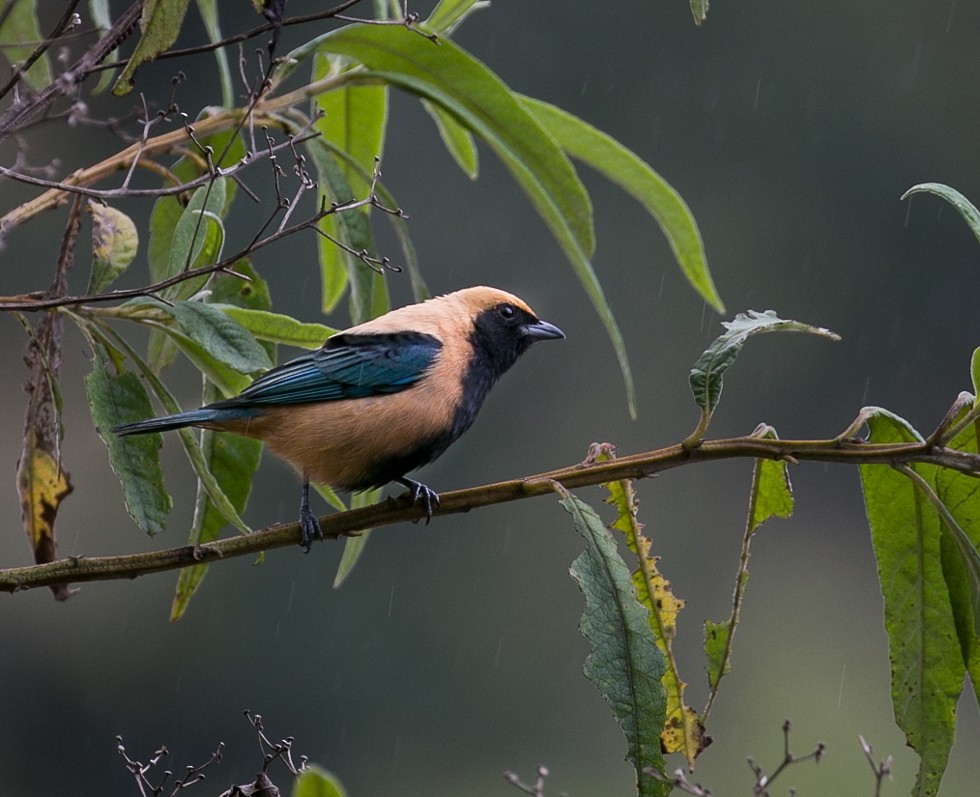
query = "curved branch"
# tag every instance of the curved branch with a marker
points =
(77, 569)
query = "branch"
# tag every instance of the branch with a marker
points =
(76, 569)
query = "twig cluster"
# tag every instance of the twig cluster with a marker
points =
(269, 750)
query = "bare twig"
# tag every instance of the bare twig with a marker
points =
(535, 790)
(881, 769)
(763, 781)
(37, 302)
(25, 107)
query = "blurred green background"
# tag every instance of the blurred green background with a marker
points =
(452, 653)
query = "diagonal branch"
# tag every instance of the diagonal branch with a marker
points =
(78, 569)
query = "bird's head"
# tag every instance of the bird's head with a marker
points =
(503, 326)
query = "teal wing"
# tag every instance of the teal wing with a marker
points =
(347, 366)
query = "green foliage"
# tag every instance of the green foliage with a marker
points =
(316, 782)
(625, 664)
(926, 660)
(121, 398)
(159, 24)
(19, 33)
(706, 377)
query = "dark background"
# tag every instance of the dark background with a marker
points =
(452, 653)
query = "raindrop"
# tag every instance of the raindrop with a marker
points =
(391, 600)
(496, 655)
(292, 592)
(758, 89)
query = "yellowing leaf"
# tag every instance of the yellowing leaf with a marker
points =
(42, 485)
(682, 731)
(114, 244)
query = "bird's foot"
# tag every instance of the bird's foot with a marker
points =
(309, 528)
(422, 494)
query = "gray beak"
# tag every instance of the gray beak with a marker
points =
(542, 330)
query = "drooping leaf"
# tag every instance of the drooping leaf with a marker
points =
(458, 140)
(316, 782)
(963, 205)
(682, 731)
(160, 23)
(623, 167)
(43, 484)
(20, 35)
(625, 664)
(114, 244)
(114, 399)
(926, 661)
(706, 375)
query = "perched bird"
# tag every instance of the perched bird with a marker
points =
(381, 398)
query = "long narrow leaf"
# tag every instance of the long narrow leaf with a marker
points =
(625, 664)
(623, 167)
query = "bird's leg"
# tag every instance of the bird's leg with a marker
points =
(428, 497)
(309, 526)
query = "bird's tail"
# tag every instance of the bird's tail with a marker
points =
(205, 416)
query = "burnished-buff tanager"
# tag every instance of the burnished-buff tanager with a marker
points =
(381, 398)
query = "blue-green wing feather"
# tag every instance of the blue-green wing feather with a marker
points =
(347, 366)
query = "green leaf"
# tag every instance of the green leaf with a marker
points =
(926, 661)
(625, 664)
(120, 398)
(354, 546)
(450, 77)
(965, 207)
(20, 36)
(706, 375)
(114, 244)
(221, 337)
(209, 13)
(458, 140)
(960, 492)
(352, 230)
(623, 167)
(276, 327)
(316, 782)
(160, 24)
(354, 120)
(682, 731)
(772, 491)
(699, 8)
(198, 237)
(771, 495)
(449, 14)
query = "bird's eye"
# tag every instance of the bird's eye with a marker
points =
(506, 311)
